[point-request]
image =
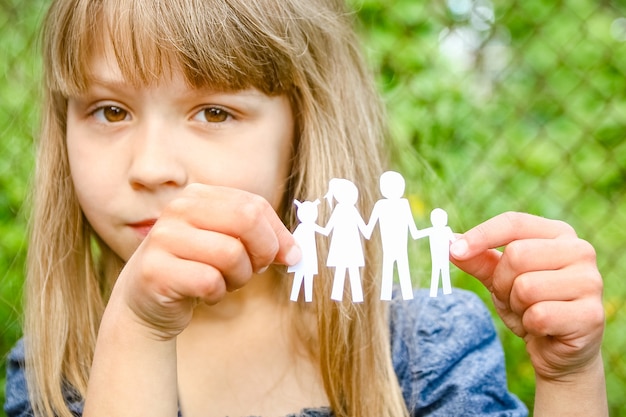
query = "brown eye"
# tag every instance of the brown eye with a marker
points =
(114, 114)
(215, 115)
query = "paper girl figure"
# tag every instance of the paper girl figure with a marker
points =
(440, 238)
(305, 236)
(393, 214)
(346, 251)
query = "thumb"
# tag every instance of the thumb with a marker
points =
(474, 258)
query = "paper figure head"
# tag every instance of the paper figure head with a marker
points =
(392, 184)
(307, 210)
(439, 217)
(342, 190)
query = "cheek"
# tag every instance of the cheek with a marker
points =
(91, 172)
(263, 171)
(276, 172)
(261, 163)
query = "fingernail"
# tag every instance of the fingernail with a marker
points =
(293, 256)
(459, 248)
(262, 269)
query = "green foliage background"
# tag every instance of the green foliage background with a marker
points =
(532, 120)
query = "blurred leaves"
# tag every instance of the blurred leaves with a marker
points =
(513, 105)
(494, 106)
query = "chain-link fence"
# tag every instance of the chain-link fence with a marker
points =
(510, 105)
(514, 105)
(18, 95)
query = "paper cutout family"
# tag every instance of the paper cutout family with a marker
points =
(345, 227)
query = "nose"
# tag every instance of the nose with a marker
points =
(156, 161)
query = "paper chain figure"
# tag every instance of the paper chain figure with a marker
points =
(395, 220)
(305, 236)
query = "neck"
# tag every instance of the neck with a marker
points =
(248, 341)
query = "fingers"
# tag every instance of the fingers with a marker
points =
(244, 216)
(544, 282)
(474, 251)
(563, 320)
(548, 256)
(223, 254)
(175, 279)
(211, 240)
(545, 285)
(569, 284)
(504, 229)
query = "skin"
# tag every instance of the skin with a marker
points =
(183, 185)
(547, 289)
(187, 197)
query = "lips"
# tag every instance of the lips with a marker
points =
(143, 227)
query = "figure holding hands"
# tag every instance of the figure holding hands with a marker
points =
(440, 238)
(305, 237)
(393, 214)
(346, 250)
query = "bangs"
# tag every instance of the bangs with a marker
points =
(216, 44)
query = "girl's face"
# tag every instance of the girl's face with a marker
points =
(133, 149)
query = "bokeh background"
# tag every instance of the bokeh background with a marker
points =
(494, 106)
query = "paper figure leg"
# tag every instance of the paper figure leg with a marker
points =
(387, 282)
(445, 279)
(355, 284)
(308, 288)
(297, 283)
(338, 283)
(405, 279)
(434, 282)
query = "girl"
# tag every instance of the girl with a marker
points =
(176, 135)
(304, 234)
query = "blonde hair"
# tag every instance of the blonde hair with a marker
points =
(304, 49)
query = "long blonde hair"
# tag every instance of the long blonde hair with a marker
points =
(305, 49)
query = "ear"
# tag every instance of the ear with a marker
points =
(317, 202)
(297, 203)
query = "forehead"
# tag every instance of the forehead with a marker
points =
(104, 67)
(148, 40)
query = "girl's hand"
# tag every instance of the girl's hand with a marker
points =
(208, 241)
(545, 286)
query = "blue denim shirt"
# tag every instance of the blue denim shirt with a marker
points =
(445, 350)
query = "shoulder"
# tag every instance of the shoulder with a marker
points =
(448, 357)
(435, 329)
(438, 318)
(17, 402)
(16, 355)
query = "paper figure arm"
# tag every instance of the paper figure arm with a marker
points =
(322, 230)
(410, 220)
(363, 227)
(422, 233)
(369, 228)
(451, 236)
(325, 230)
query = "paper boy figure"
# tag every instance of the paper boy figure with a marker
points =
(393, 214)
(305, 236)
(440, 238)
(346, 251)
